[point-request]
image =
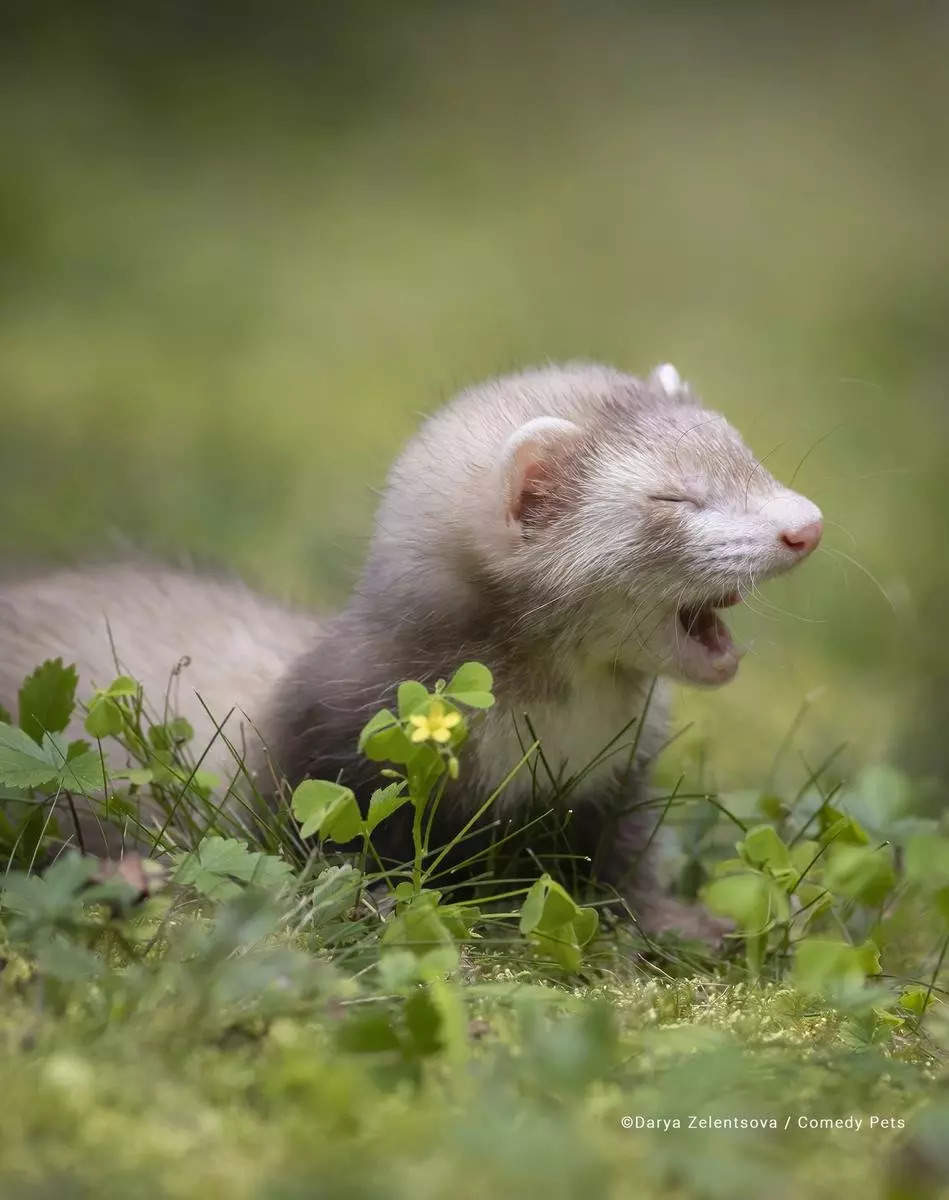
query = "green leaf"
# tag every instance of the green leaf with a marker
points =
(836, 826)
(177, 732)
(420, 929)
(369, 1034)
(546, 906)
(423, 1022)
(803, 855)
(221, 867)
(833, 969)
(815, 899)
(383, 739)
(471, 684)
(868, 955)
(459, 918)
(773, 807)
(424, 768)
(24, 764)
(435, 1018)
(555, 924)
(763, 848)
(328, 809)
(411, 696)
(55, 894)
(398, 971)
(754, 901)
(860, 873)
(136, 776)
(334, 891)
(585, 925)
(35, 827)
(124, 685)
(47, 699)
(384, 802)
(83, 773)
(927, 861)
(67, 961)
(104, 718)
(917, 1000)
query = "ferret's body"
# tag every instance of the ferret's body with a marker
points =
(573, 528)
(179, 634)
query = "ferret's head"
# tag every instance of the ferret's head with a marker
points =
(627, 515)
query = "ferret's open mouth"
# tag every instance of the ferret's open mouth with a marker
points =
(702, 622)
(714, 655)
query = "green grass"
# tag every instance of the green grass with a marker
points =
(257, 1105)
(243, 1010)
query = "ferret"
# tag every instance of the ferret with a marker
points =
(576, 529)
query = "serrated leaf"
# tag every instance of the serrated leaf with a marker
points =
(334, 891)
(384, 802)
(23, 763)
(220, 867)
(52, 895)
(47, 699)
(67, 961)
(79, 770)
(84, 772)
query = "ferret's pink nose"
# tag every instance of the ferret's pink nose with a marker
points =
(803, 540)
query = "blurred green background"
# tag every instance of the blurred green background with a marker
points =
(243, 249)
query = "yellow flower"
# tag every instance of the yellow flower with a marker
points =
(435, 725)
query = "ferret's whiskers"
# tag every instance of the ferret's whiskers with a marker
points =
(843, 529)
(759, 465)
(785, 612)
(813, 446)
(865, 570)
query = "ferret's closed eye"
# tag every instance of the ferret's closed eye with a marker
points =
(670, 499)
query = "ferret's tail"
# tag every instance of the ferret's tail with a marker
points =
(180, 635)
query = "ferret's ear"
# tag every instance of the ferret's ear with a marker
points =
(667, 380)
(532, 469)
